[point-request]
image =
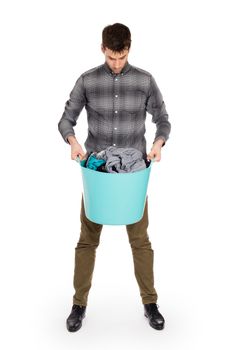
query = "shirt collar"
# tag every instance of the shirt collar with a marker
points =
(125, 69)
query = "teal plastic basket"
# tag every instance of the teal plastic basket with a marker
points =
(114, 198)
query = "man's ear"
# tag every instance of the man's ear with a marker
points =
(102, 48)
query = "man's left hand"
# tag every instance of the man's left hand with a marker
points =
(155, 152)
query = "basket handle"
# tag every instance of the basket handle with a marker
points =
(152, 160)
(78, 159)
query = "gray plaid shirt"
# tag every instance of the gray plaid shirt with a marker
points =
(116, 106)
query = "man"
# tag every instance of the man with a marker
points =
(116, 96)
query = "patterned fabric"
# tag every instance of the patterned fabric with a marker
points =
(116, 106)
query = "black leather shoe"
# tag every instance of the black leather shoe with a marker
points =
(156, 320)
(74, 321)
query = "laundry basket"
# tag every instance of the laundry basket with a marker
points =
(114, 198)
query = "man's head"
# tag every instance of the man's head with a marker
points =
(116, 42)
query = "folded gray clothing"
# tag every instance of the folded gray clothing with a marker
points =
(124, 160)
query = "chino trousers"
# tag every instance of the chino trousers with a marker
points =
(85, 254)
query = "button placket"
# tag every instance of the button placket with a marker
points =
(116, 109)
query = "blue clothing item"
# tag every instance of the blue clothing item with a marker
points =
(93, 162)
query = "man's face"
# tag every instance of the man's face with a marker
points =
(115, 60)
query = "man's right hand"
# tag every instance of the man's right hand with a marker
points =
(76, 149)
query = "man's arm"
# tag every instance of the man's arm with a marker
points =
(72, 140)
(73, 108)
(156, 107)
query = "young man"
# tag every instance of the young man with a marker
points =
(116, 96)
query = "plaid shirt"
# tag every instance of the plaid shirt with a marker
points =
(116, 106)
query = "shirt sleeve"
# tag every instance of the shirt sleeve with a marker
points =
(156, 107)
(73, 108)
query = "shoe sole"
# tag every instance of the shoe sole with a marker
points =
(157, 327)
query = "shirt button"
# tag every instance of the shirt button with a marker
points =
(114, 144)
(116, 79)
(115, 111)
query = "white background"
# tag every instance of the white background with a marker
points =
(45, 46)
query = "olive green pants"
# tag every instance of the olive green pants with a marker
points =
(85, 253)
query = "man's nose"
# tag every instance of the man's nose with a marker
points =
(117, 65)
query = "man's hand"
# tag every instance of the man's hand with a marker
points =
(76, 149)
(156, 150)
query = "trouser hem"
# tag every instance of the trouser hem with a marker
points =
(149, 302)
(80, 304)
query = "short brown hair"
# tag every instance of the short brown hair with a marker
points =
(116, 37)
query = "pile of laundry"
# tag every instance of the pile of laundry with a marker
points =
(116, 160)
